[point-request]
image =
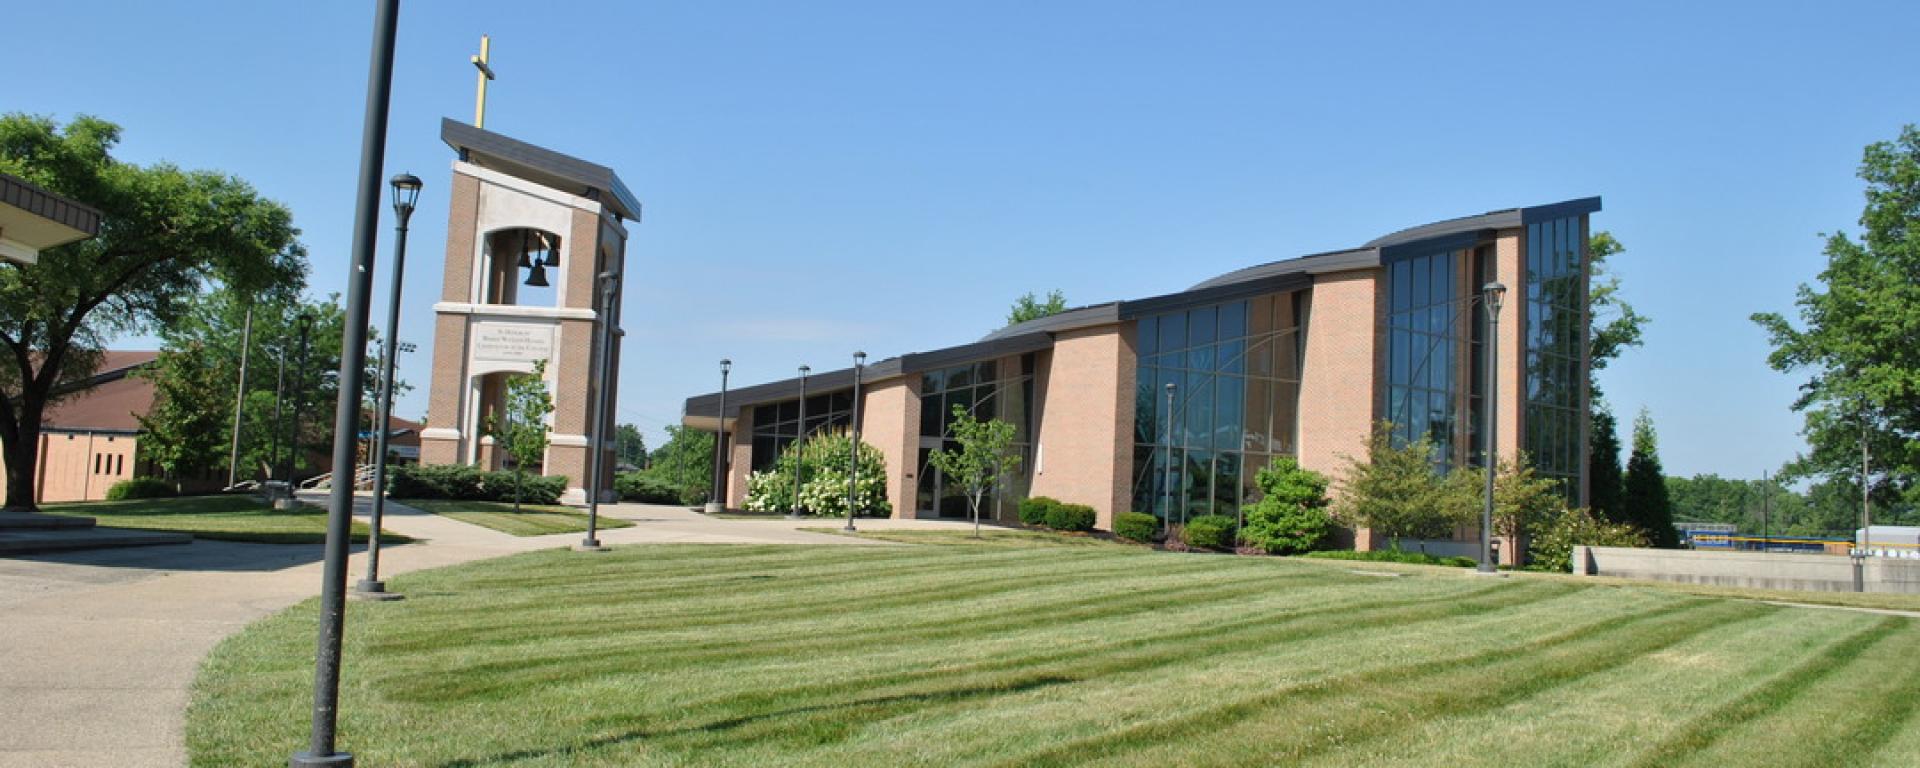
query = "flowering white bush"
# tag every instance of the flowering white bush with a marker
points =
(823, 491)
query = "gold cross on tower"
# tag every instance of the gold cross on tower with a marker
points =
(486, 73)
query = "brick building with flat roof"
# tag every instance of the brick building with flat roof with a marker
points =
(1299, 357)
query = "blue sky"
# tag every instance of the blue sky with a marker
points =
(944, 158)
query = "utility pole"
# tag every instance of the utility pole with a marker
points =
(1766, 512)
(240, 399)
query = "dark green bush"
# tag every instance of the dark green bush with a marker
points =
(645, 488)
(1070, 517)
(1394, 556)
(1034, 511)
(1136, 526)
(1291, 515)
(1209, 532)
(443, 481)
(531, 488)
(139, 488)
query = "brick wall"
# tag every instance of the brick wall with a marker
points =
(890, 416)
(1086, 422)
(1338, 394)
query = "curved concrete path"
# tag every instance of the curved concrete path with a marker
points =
(100, 648)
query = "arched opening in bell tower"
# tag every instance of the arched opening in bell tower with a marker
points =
(522, 268)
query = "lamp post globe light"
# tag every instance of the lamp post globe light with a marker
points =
(321, 746)
(793, 509)
(1166, 483)
(406, 192)
(853, 448)
(1493, 295)
(596, 465)
(716, 502)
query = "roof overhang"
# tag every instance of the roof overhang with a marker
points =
(540, 165)
(33, 219)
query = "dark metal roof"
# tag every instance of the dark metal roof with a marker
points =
(28, 197)
(1080, 317)
(1503, 219)
(1319, 263)
(708, 405)
(540, 165)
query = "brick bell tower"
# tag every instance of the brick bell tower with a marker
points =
(536, 252)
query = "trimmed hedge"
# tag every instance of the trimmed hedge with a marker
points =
(1070, 517)
(459, 482)
(140, 488)
(1209, 532)
(645, 489)
(1034, 511)
(1136, 526)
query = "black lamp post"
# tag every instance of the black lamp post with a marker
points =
(1493, 295)
(716, 503)
(793, 510)
(853, 450)
(346, 416)
(596, 468)
(406, 192)
(1167, 476)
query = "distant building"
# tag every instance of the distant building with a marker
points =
(1298, 358)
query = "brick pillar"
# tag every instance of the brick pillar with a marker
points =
(1085, 438)
(890, 416)
(739, 451)
(1338, 394)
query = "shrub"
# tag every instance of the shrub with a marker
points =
(1070, 517)
(1291, 515)
(139, 488)
(823, 489)
(1136, 526)
(1209, 532)
(1551, 548)
(645, 488)
(1394, 556)
(531, 488)
(1034, 511)
(770, 491)
(445, 481)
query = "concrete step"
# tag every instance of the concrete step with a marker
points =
(34, 521)
(27, 542)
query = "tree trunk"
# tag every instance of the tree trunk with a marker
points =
(21, 442)
(976, 515)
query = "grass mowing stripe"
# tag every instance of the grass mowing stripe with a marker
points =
(1768, 696)
(776, 711)
(1671, 624)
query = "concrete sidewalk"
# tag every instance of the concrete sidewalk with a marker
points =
(102, 647)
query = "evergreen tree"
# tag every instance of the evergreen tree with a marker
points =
(1644, 498)
(1603, 466)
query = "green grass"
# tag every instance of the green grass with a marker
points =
(1028, 651)
(989, 537)
(223, 518)
(532, 520)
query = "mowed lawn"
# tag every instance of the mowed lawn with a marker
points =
(530, 520)
(1009, 654)
(224, 518)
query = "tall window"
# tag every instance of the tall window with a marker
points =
(1235, 368)
(990, 389)
(1556, 350)
(776, 425)
(1426, 337)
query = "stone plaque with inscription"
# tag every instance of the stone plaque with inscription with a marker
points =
(504, 342)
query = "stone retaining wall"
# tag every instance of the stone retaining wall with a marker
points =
(1761, 570)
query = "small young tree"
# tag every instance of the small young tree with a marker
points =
(185, 430)
(1291, 515)
(1523, 502)
(984, 457)
(522, 434)
(1029, 307)
(1395, 490)
(1645, 497)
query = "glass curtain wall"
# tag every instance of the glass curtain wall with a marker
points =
(1427, 337)
(1235, 368)
(776, 425)
(990, 389)
(1556, 347)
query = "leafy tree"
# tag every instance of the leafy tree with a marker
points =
(1856, 336)
(684, 463)
(984, 457)
(166, 233)
(1291, 515)
(1644, 498)
(522, 434)
(1522, 501)
(1029, 307)
(629, 447)
(185, 432)
(1395, 491)
(1604, 475)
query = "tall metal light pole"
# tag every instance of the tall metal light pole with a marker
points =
(596, 465)
(716, 503)
(853, 449)
(1866, 510)
(406, 193)
(1493, 295)
(793, 510)
(240, 399)
(1166, 482)
(346, 416)
(279, 405)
